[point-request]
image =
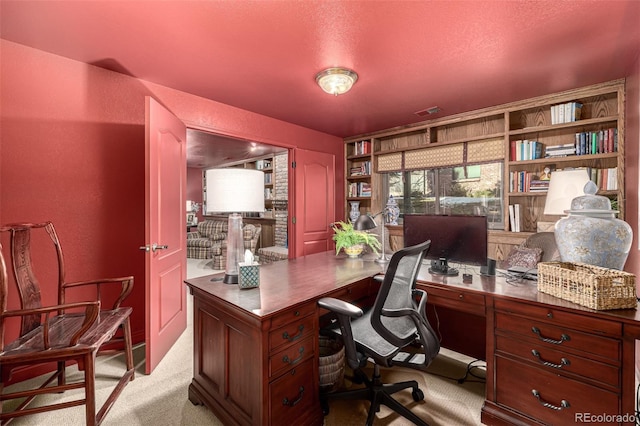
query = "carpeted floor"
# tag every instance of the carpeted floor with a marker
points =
(161, 398)
(446, 401)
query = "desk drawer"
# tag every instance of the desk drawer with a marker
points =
(465, 301)
(293, 395)
(560, 317)
(556, 361)
(291, 333)
(557, 337)
(293, 315)
(353, 293)
(517, 383)
(291, 356)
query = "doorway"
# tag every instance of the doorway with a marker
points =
(206, 150)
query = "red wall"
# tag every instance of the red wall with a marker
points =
(632, 172)
(72, 151)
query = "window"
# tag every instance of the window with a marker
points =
(470, 189)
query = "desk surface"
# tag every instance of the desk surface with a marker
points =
(286, 284)
(526, 290)
(289, 283)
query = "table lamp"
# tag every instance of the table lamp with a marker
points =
(366, 222)
(564, 186)
(234, 191)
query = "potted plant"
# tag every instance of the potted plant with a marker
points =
(351, 240)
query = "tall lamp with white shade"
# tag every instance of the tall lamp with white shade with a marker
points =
(564, 186)
(234, 191)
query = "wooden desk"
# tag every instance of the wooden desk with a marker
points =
(255, 351)
(548, 360)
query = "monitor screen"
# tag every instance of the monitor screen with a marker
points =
(456, 238)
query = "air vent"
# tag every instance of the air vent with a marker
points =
(428, 111)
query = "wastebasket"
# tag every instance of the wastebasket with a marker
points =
(331, 363)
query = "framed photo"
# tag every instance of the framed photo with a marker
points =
(191, 218)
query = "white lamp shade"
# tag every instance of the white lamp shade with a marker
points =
(564, 186)
(234, 190)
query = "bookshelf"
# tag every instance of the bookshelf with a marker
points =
(593, 140)
(266, 165)
(358, 172)
(489, 134)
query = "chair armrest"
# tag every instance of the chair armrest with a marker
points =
(193, 235)
(340, 307)
(345, 311)
(421, 295)
(416, 313)
(425, 333)
(125, 282)
(218, 236)
(91, 311)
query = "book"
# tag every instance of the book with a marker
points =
(362, 148)
(512, 218)
(566, 112)
(517, 216)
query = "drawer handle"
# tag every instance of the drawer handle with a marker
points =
(563, 337)
(286, 336)
(563, 404)
(563, 361)
(286, 359)
(288, 403)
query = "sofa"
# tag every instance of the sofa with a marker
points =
(208, 238)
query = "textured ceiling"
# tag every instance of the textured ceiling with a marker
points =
(262, 56)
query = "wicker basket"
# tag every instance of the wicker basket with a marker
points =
(587, 285)
(331, 364)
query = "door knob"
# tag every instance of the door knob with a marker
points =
(154, 247)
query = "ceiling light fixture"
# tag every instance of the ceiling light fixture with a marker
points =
(336, 81)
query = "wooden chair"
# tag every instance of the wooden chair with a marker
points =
(59, 334)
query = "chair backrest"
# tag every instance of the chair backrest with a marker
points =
(22, 268)
(251, 235)
(395, 295)
(209, 228)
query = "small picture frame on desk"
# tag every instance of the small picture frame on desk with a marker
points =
(191, 218)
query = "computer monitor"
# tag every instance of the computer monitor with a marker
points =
(454, 238)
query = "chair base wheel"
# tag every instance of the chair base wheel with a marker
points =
(417, 395)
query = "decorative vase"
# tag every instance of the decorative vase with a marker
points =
(354, 214)
(354, 251)
(592, 234)
(392, 211)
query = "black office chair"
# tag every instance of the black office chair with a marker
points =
(396, 322)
